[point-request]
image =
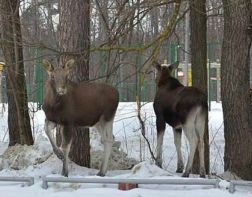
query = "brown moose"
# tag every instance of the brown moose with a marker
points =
(86, 104)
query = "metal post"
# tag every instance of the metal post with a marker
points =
(2, 66)
(238, 183)
(231, 188)
(187, 43)
(39, 78)
(121, 84)
(209, 81)
(1, 89)
(218, 82)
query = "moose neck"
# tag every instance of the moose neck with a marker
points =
(169, 82)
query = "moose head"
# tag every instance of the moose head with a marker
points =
(59, 76)
(164, 71)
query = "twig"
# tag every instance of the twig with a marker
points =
(143, 128)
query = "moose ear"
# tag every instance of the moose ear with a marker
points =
(174, 65)
(157, 66)
(48, 66)
(70, 64)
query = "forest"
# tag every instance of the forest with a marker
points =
(118, 42)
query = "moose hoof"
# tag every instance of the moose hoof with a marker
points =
(159, 164)
(100, 174)
(180, 167)
(64, 173)
(202, 173)
(186, 175)
(202, 176)
(179, 170)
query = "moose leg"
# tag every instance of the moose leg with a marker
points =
(66, 136)
(160, 135)
(106, 131)
(49, 126)
(177, 141)
(200, 128)
(189, 130)
(202, 159)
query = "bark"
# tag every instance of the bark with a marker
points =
(18, 116)
(199, 64)
(74, 43)
(235, 88)
(103, 37)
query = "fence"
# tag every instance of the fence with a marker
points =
(128, 90)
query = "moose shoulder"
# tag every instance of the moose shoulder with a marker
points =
(182, 108)
(84, 104)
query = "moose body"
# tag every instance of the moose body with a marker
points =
(182, 108)
(76, 108)
(85, 104)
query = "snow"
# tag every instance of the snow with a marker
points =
(38, 160)
(110, 192)
(148, 169)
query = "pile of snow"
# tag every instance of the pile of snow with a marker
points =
(119, 160)
(148, 169)
(21, 157)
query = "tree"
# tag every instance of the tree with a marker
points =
(198, 20)
(235, 63)
(18, 114)
(74, 42)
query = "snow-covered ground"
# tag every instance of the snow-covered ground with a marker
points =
(38, 160)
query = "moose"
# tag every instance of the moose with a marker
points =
(182, 108)
(85, 104)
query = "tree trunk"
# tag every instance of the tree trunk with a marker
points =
(235, 88)
(74, 43)
(199, 64)
(18, 114)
